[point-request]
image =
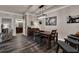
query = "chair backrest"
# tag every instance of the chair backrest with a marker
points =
(54, 35)
(53, 31)
(29, 27)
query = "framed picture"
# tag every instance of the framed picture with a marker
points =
(51, 21)
(73, 19)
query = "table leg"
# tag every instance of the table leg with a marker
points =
(78, 47)
(57, 49)
(48, 43)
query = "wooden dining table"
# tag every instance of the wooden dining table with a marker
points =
(48, 40)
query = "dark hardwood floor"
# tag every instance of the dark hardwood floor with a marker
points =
(23, 44)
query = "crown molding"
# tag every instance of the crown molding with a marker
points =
(56, 9)
(28, 13)
(11, 13)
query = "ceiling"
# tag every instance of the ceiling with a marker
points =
(20, 9)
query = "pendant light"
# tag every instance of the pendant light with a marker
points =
(42, 15)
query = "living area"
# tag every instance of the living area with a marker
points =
(47, 25)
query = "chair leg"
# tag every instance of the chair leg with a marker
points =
(57, 49)
(64, 51)
(54, 42)
(41, 41)
(78, 47)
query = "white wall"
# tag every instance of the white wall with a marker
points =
(69, 28)
(29, 19)
(63, 28)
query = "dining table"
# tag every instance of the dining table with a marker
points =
(47, 35)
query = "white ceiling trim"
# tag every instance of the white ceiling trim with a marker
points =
(28, 13)
(53, 10)
(5, 12)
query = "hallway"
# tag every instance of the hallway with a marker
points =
(22, 44)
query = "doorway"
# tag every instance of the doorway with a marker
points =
(19, 26)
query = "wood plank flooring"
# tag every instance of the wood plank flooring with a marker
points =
(22, 44)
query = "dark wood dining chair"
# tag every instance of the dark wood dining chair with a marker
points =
(28, 31)
(54, 36)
